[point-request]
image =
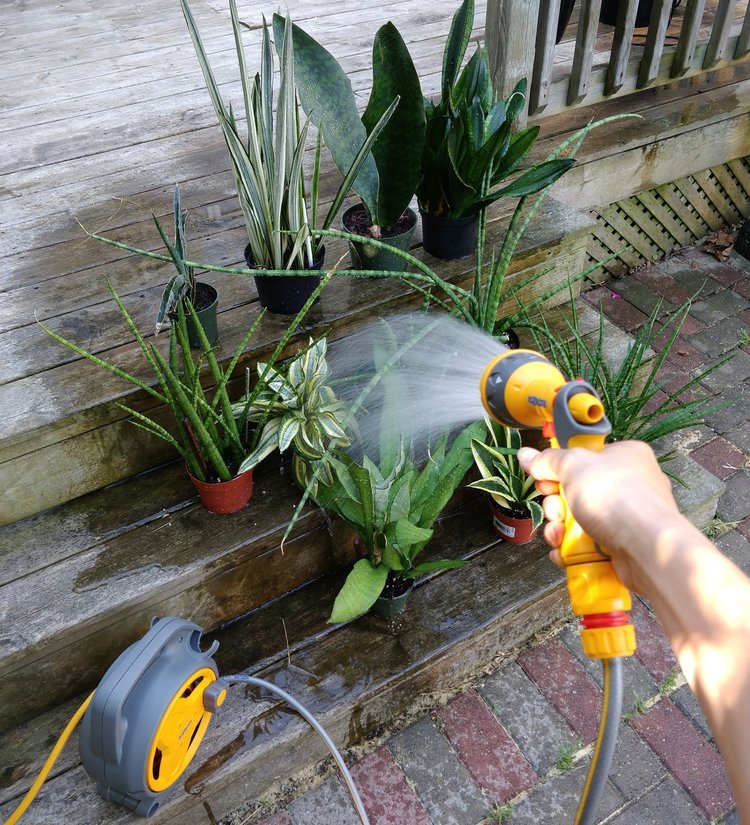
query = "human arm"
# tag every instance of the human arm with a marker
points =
(623, 500)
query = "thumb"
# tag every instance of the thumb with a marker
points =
(543, 466)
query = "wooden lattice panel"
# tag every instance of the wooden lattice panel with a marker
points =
(652, 224)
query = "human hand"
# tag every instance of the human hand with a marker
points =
(619, 496)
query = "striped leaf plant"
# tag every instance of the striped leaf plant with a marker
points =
(267, 162)
(296, 408)
(502, 476)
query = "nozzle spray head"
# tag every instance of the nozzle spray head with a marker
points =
(518, 388)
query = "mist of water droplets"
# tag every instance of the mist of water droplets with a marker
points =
(430, 368)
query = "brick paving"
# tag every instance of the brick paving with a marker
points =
(493, 754)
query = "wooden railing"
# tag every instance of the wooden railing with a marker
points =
(604, 60)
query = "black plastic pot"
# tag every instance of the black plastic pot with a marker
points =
(387, 607)
(286, 294)
(449, 238)
(609, 8)
(367, 257)
(208, 299)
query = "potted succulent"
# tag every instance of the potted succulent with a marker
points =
(392, 506)
(182, 286)
(207, 434)
(471, 147)
(282, 248)
(296, 408)
(516, 512)
(388, 178)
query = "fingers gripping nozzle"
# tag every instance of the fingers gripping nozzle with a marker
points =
(522, 389)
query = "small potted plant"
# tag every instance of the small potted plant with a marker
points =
(267, 164)
(210, 438)
(470, 148)
(182, 286)
(392, 507)
(296, 408)
(513, 497)
(388, 178)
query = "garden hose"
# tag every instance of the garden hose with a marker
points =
(144, 722)
(601, 759)
(315, 725)
(51, 759)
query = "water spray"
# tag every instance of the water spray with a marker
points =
(146, 719)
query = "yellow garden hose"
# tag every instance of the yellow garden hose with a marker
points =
(51, 759)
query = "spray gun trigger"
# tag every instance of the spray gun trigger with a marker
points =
(214, 695)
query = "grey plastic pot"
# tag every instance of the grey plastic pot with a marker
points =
(207, 318)
(364, 256)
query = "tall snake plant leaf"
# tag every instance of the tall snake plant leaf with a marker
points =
(398, 151)
(325, 91)
(455, 47)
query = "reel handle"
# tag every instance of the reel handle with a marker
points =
(596, 593)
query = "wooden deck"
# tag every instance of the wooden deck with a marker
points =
(105, 110)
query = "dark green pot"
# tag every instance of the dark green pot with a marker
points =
(367, 257)
(207, 316)
(389, 607)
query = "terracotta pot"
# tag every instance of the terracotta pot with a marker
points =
(225, 497)
(509, 526)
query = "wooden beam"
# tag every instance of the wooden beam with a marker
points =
(584, 51)
(623, 39)
(743, 42)
(657, 30)
(691, 24)
(717, 44)
(509, 31)
(546, 34)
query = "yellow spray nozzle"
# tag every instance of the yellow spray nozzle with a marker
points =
(586, 408)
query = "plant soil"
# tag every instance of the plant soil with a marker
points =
(204, 296)
(395, 586)
(358, 222)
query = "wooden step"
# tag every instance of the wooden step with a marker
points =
(63, 434)
(355, 678)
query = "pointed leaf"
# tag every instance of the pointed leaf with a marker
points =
(360, 591)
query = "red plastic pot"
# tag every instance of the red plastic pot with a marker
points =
(507, 524)
(225, 497)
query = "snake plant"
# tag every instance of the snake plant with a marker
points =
(389, 176)
(502, 476)
(267, 164)
(296, 408)
(471, 146)
(206, 433)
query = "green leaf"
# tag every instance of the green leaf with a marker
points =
(455, 47)
(407, 534)
(360, 591)
(326, 95)
(537, 178)
(399, 148)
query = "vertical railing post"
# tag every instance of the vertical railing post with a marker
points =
(510, 33)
